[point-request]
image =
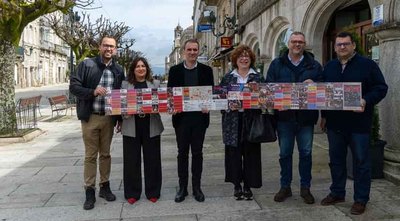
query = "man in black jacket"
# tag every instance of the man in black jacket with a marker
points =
(296, 65)
(93, 78)
(190, 127)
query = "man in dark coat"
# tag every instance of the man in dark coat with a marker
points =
(351, 128)
(296, 65)
(190, 127)
(93, 78)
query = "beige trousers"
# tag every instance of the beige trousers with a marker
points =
(97, 136)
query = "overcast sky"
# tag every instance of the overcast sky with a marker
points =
(152, 22)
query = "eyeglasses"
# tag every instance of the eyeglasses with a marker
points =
(108, 46)
(345, 44)
(297, 42)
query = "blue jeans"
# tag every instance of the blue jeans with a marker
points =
(288, 132)
(359, 146)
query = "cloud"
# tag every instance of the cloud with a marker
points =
(152, 22)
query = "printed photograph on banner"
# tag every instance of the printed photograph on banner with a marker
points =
(334, 96)
(311, 95)
(235, 96)
(287, 95)
(197, 98)
(220, 100)
(321, 101)
(352, 96)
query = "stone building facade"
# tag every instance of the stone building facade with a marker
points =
(265, 24)
(180, 36)
(42, 57)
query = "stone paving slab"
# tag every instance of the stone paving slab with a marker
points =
(64, 213)
(190, 206)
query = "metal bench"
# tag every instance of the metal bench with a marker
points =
(59, 104)
(26, 111)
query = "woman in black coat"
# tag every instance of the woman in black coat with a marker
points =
(242, 158)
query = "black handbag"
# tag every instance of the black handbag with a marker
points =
(259, 128)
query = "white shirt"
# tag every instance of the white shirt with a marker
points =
(296, 63)
(184, 64)
(240, 79)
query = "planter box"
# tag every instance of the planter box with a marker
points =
(376, 156)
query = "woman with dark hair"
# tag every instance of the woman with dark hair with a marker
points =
(141, 130)
(242, 158)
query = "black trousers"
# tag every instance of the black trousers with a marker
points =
(190, 135)
(243, 163)
(132, 147)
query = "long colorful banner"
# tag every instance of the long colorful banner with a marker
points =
(298, 96)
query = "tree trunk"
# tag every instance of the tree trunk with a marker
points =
(8, 124)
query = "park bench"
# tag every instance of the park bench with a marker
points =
(59, 104)
(26, 111)
(29, 102)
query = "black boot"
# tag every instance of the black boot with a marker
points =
(90, 198)
(181, 194)
(105, 191)
(198, 194)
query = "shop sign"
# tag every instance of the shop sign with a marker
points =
(226, 42)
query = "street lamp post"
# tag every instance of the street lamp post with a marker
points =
(228, 23)
(74, 17)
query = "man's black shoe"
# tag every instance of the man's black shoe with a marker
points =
(90, 199)
(105, 191)
(181, 194)
(198, 194)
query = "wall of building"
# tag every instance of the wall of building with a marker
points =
(44, 59)
(263, 24)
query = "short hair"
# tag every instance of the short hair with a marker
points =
(131, 78)
(345, 34)
(298, 33)
(192, 40)
(107, 36)
(238, 51)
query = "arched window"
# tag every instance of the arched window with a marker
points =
(281, 42)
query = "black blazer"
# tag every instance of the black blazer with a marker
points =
(176, 78)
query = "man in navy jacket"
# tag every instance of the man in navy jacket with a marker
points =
(351, 128)
(190, 127)
(295, 65)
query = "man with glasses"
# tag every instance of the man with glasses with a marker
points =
(295, 65)
(190, 127)
(90, 83)
(351, 128)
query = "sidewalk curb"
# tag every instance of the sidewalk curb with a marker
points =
(23, 139)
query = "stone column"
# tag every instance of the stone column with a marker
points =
(389, 62)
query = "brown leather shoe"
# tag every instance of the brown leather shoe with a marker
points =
(331, 200)
(283, 194)
(357, 208)
(307, 196)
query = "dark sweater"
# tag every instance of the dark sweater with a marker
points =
(282, 70)
(374, 89)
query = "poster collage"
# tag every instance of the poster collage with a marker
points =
(282, 96)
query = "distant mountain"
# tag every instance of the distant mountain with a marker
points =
(158, 70)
